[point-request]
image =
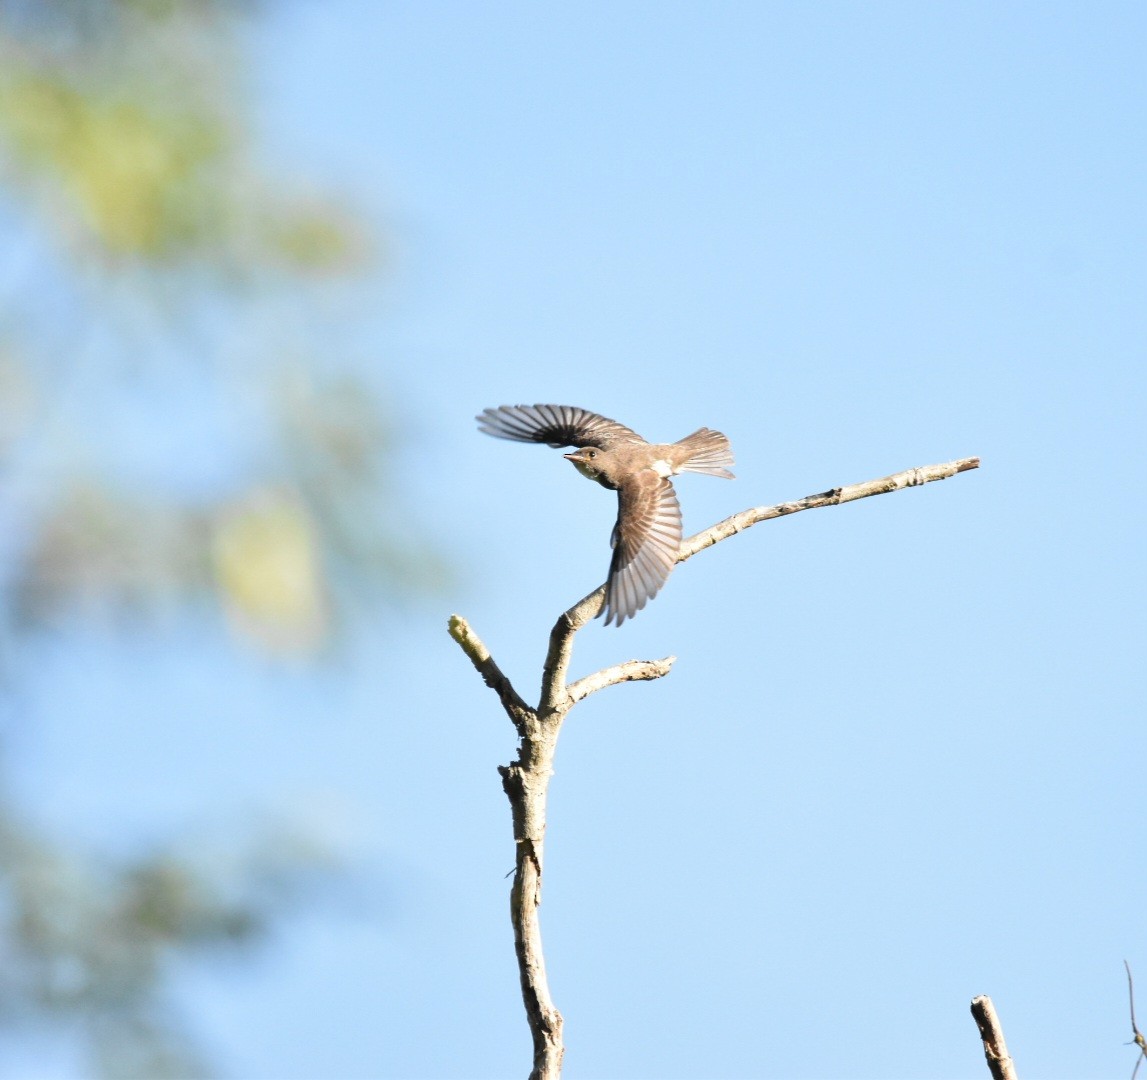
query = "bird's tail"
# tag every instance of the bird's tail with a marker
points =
(709, 453)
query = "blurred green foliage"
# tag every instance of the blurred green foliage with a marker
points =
(137, 179)
(123, 126)
(87, 944)
(125, 154)
(146, 241)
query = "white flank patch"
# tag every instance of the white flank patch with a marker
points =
(662, 468)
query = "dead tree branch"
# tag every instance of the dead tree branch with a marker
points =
(897, 481)
(995, 1048)
(526, 779)
(630, 671)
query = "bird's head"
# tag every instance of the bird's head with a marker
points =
(588, 461)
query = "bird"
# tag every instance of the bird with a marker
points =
(647, 536)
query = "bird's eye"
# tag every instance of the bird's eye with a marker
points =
(592, 454)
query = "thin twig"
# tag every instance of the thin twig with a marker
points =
(834, 497)
(630, 671)
(473, 646)
(1139, 1040)
(526, 779)
(1000, 1063)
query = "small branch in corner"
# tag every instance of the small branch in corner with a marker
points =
(1000, 1064)
(1138, 1039)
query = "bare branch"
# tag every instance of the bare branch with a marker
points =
(630, 671)
(561, 648)
(568, 624)
(526, 780)
(526, 786)
(747, 518)
(1000, 1064)
(473, 647)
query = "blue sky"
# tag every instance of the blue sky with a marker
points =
(900, 759)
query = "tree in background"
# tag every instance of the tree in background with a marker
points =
(185, 431)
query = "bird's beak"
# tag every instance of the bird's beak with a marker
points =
(573, 456)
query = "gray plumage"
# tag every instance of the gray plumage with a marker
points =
(647, 536)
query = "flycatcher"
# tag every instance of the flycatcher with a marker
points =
(647, 536)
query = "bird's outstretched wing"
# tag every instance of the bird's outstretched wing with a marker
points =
(555, 425)
(646, 540)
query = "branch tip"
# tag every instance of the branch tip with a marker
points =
(1000, 1064)
(472, 645)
